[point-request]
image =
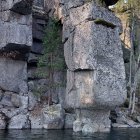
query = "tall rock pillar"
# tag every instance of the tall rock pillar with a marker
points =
(93, 54)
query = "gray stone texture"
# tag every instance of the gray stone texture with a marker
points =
(90, 121)
(19, 122)
(94, 57)
(53, 117)
(18, 6)
(2, 121)
(16, 32)
(15, 26)
(69, 120)
(13, 75)
(47, 117)
(15, 43)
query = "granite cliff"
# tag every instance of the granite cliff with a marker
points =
(96, 80)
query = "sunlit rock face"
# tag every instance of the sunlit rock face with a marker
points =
(93, 54)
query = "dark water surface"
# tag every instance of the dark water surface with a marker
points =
(115, 134)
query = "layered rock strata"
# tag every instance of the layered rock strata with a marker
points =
(15, 43)
(93, 54)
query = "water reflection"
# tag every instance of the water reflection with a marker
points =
(115, 134)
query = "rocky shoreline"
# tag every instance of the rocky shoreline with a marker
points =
(95, 81)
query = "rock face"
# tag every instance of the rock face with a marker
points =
(2, 121)
(16, 28)
(93, 53)
(47, 117)
(19, 122)
(69, 120)
(13, 75)
(53, 117)
(92, 121)
(18, 6)
(15, 43)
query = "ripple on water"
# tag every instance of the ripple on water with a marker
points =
(115, 134)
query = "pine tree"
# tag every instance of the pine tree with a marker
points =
(53, 57)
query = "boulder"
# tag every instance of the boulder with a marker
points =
(12, 17)
(90, 121)
(93, 53)
(53, 117)
(87, 48)
(94, 89)
(32, 101)
(13, 75)
(11, 99)
(90, 11)
(2, 121)
(77, 126)
(94, 57)
(10, 112)
(24, 102)
(19, 122)
(58, 95)
(16, 100)
(18, 37)
(69, 120)
(6, 100)
(36, 119)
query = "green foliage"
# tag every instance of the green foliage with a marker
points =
(53, 56)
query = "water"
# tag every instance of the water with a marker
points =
(115, 134)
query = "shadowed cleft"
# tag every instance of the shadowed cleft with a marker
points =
(105, 23)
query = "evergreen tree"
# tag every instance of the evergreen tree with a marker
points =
(53, 57)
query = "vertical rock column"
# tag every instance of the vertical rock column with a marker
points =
(93, 54)
(15, 43)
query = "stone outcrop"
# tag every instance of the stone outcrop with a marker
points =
(53, 117)
(23, 7)
(2, 121)
(92, 121)
(13, 75)
(16, 27)
(47, 117)
(19, 122)
(69, 120)
(93, 54)
(15, 43)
